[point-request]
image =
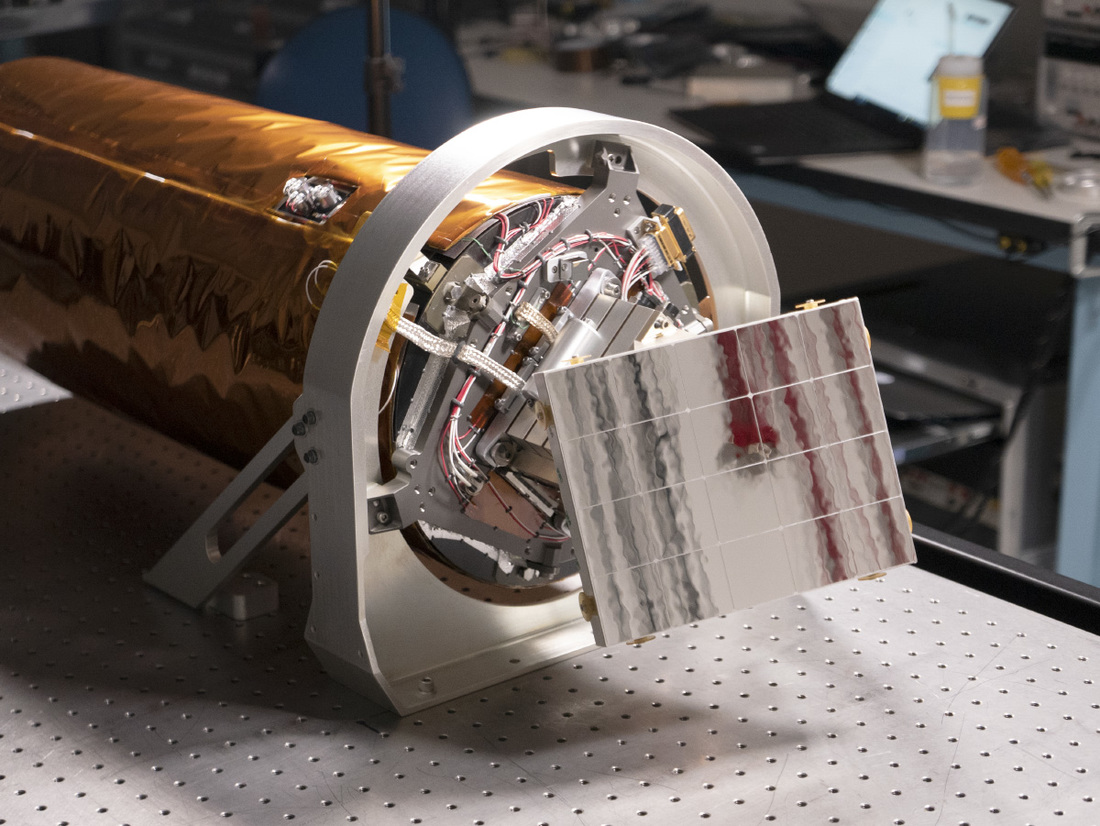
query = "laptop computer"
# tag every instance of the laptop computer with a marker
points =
(876, 98)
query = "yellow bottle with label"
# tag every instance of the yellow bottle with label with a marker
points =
(955, 142)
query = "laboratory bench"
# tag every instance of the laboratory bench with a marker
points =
(910, 699)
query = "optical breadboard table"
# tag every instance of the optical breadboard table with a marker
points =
(906, 700)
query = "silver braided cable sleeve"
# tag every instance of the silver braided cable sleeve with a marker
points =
(433, 344)
(526, 312)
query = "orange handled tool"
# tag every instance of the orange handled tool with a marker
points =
(1013, 165)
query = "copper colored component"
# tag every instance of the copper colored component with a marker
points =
(142, 262)
(513, 514)
(483, 410)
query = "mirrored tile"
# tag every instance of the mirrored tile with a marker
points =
(808, 485)
(663, 452)
(880, 535)
(710, 367)
(835, 338)
(820, 412)
(647, 527)
(743, 502)
(794, 419)
(577, 402)
(835, 478)
(691, 589)
(651, 380)
(853, 543)
(868, 470)
(817, 552)
(757, 569)
(714, 565)
(588, 481)
(632, 604)
(854, 405)
(618, 463)
(772, 353)
(601, 395)
(726, 436)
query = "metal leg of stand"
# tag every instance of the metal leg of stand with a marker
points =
(1079, 526)
(196, 567)
(1030, 464)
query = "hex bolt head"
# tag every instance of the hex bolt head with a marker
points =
(299, 429)
(311, 457)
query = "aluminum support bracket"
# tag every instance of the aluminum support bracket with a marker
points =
(196, 566)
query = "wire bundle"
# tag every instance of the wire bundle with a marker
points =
(632, 261)
(640, 271)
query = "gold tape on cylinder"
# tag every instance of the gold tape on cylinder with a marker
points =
(143, 263)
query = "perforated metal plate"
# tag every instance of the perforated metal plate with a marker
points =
(20, 387)
(908, 700)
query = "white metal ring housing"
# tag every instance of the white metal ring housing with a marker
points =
(380, 621)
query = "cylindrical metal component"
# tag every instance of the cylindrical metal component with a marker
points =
(579, 338)
(144, 259)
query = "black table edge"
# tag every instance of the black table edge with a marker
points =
(1059, 597)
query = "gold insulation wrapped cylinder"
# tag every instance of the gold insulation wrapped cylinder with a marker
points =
(143, 259)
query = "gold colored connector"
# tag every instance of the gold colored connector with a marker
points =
(664, 234)
(393, 314)
(543, 415)
(588, 606)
